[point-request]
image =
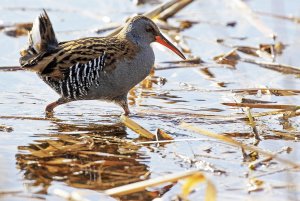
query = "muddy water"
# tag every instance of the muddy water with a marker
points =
(85, 146)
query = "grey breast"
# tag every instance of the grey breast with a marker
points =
(125, 76)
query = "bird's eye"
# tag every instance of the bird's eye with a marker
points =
(149, 29)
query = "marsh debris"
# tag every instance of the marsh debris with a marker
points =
(16, 30)
(85, 161)
(7, 129)
(231, 58)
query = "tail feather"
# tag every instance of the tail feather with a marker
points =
(48, 39)
(41, 40)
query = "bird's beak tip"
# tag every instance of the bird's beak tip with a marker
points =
(162, 40)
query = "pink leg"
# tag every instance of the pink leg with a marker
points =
(122, 101)
(126, 109)
(53, 105)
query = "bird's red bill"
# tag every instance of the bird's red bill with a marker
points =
(162, 40)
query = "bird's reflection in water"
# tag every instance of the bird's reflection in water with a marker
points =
(93, 157)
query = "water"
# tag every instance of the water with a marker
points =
(68, 144)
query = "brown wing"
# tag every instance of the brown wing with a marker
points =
(47, 57)
(84, 50)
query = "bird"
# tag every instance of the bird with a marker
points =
(93, 68)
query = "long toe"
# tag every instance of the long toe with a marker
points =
(49, 114)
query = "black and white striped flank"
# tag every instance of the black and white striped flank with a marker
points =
(79, 79)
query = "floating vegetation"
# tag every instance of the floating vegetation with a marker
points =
(17, 29)
(4, 128)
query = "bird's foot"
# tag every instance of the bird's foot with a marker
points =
(126, 112)
(122, 101)
(49, 109)
(49, 114)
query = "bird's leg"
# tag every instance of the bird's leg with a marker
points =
(126, 109)
(51, 106)
(122, 101)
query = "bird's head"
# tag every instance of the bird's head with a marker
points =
(144, 31)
